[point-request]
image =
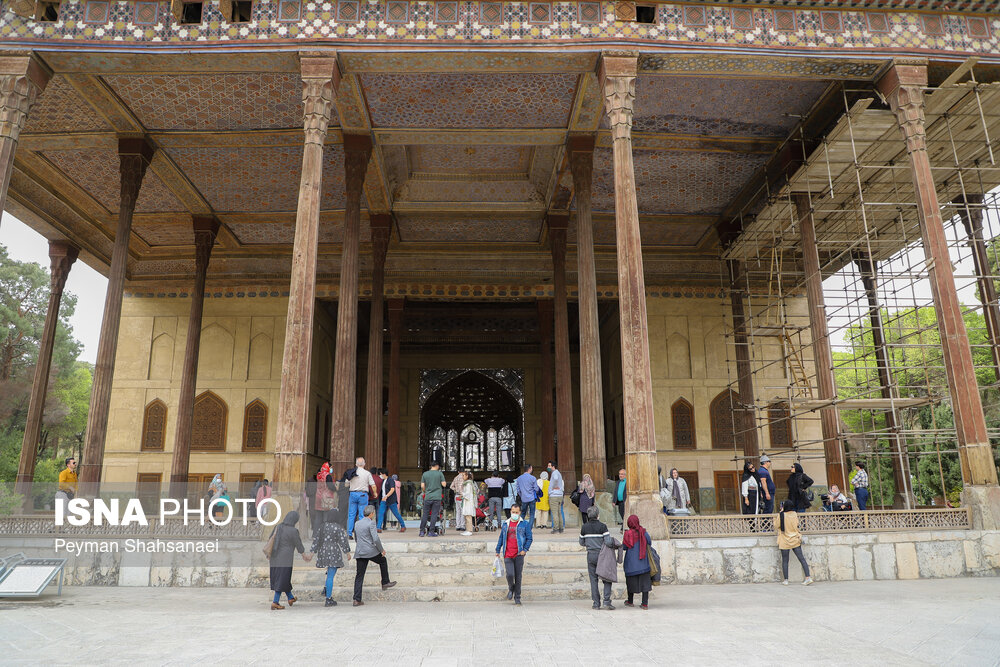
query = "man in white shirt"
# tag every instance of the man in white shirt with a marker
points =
(359, 484)
(557, 489)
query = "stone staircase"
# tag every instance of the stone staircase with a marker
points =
(457, 569)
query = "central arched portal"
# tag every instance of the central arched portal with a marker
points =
(472, 419)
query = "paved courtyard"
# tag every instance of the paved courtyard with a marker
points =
(881, 622)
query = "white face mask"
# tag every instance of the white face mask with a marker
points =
(515, 517)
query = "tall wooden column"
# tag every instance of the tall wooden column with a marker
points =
(395, 308)
(617, 76)
(565, 442)
(134, 154)
(380, 227)
(595, 457)
(971, 214)
(357, 149)
(903, 86)
(320, 78)
(62, 255)
(545, 352)
(746, 423)
(205, 229)
(22, 79)
(836, 469)
(903, 498)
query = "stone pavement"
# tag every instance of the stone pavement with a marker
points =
(952, 621)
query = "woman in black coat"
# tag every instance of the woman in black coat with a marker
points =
(286, 542)
(798, 485)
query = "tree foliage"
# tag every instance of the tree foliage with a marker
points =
(24, 296)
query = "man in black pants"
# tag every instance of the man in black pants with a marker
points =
(369, 548)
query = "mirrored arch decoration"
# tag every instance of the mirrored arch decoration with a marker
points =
(480, 412)
(438, 445)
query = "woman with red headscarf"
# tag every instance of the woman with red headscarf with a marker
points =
(326, 497)
(637, 580)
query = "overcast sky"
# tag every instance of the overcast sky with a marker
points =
(26, 245)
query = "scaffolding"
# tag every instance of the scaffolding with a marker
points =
(891, 391)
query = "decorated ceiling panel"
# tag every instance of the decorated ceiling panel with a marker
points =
(258, 178)
(701, 183)
(477, 228)
(163, 233)
(283, 233)
(61, 109)
(722, 106)
(679, 234)
(96, 170)
(241, 101)
(500, 100)
(481, 159)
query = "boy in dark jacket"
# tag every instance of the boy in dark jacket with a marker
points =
(594, 535)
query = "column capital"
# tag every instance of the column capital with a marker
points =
(22, 78)
(580, 148)
(617, 76)
(357, 151)
(903, 87)
(206, 227)
(394, 305)
(62, 255)
(320, 82)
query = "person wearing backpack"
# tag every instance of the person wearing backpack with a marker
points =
(798, 488)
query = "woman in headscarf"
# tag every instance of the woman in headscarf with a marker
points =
(390, 502)
(216, 490)
(470, 498)
(636, 566)
(677, 495)
(262, 493)
(330, 544)
(789, 539)
(325, 498)
(587, 494)
(286, 542)
(798, 487)
(542, 506)
(750, 489)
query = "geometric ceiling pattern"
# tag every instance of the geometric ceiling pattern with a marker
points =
(469, 154)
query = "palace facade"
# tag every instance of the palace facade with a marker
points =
(493, 232)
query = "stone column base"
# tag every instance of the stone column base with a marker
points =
(985, 504)
(649, 508)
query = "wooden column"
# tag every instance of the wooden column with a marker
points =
(545, 352)
(205, 229)
(617, 75)
(320, 78)
(357, 149)
(595, 456)
(395, 307)
(134, 154)
(22, 79)
(62, 255)
(971, 214)
(565, 442)
(903, 86)
(746, 421)
(380, 227)
(836, 469)
(903, 498)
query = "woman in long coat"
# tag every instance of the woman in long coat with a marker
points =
(286, 542)
(330, 544)
(637, 569)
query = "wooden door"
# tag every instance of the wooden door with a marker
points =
(247, 480)
(691, 477)
(147, 490)
(727, 491)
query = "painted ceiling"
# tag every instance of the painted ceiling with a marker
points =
(471, 159)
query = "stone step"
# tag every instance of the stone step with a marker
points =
(498, 594)
(482, 560)
(475, 544)
(442, 577)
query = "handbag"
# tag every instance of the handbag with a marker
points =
(498, 570)
(654, 564)
(269, 545)
(575, 497)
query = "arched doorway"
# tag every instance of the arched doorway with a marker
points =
(472, 420)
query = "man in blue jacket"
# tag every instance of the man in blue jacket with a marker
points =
(513, 545)
(527, 490)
